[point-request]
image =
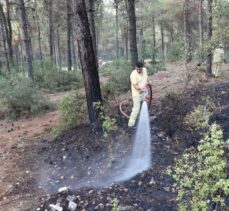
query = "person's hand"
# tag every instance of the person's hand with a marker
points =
(142, 89)
(149, 83)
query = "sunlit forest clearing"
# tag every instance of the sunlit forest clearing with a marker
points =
(114, 105)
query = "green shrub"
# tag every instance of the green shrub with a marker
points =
(176, 51)
(200, 174)
(49, 77)
(108, 123)
(19, 96)
(72, 111)
(115, 206)
(119, 72)
(198, 119)
(160, 66)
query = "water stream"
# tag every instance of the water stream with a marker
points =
(140, 159)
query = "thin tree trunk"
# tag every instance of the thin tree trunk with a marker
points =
(69, 29)
(87, 60)
(50, 9)
(3, 32)
(73, 48)
(126, 41)
(201, 34)
(154, 41)
(39, 33)
(209, 59)
(116, 30)
(132, 32)
(27, 40)
(9, 26)
(162, 41)
(187, 31)
(58, 47)
(20, 48)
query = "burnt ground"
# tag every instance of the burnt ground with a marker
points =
(87, 163)
(150, 190)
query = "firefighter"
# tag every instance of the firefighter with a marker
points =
(218, 58)
(139, 80)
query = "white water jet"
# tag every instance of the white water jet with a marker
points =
(141, 156)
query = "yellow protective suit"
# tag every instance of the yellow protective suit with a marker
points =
(218, 57)
(139, 79)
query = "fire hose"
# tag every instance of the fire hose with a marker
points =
(146, 95)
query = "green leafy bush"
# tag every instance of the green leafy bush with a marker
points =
(119, 73)
(160, 66)
(108, 123)
(198, 119)
(175, 51)
(50, 77)
(200, 174)
(115, 205)
(19, 96)
(72, 111)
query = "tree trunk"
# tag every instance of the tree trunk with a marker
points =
(201, 34)
(58, 47)
(162, 41)
(116, 30)
(132, 32)
(74, 59)
(154, 40)
(39, 33)
(20, 47)
(187, 30)
(9, 26)
(69, 29)
(50, 9)
(3, 32)
(87, 60)
(126, 41)
(91, 18)
(209, 59)
(27, 40)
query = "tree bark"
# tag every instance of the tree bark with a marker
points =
(74, 59)
(162, 41)
(87, 60)
(38, 32)
(27, 40)
(187, 30)
(3, 32)
(154, 40)
(126, 41)
(209, 59)
(50, 10)
(132, 32)
(58, 47)
(91, 18)
(201, 34)
(116, 30)
(9, 26)
(69, 29)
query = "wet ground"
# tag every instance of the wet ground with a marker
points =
(152, 189)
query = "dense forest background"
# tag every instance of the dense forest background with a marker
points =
(164, 31)
(48, 42)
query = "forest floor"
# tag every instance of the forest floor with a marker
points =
(34, 163)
